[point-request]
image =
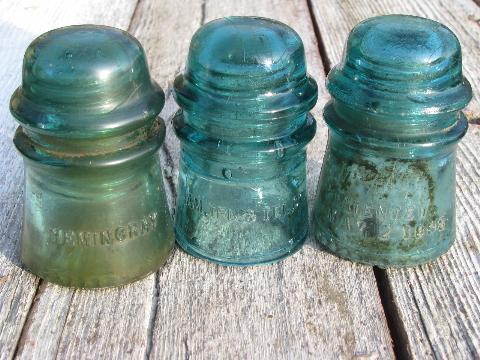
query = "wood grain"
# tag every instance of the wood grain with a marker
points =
(47, 314)
(310, 305)
(437, 305)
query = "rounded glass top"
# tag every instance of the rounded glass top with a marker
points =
(401, 65)
(245, 69)
(85, 80)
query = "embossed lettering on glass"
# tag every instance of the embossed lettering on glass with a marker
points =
(95, 212)
(386, 194)
(244, 126)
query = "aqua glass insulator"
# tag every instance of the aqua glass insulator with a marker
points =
(386, 193)
(244, 126)
(95, 212)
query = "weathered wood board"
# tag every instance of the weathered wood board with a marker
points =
(297, 306)
(306, 306)
(311, 305)
(47, 313)
(436, 307)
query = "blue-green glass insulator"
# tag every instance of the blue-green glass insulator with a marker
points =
(244, 126)
(386, 194)
(95, 212)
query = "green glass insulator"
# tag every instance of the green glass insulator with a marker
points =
(386, 194)
(244, 126)
(95, 212)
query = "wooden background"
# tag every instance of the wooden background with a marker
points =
(312, 305)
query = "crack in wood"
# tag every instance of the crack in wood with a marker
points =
(134, 15)
(203, 12)
(168, 175)
(28, 319)
(397, 331)
(25, 325)
(321, 44)
(395, 325)
(187, 350)
(153, 315)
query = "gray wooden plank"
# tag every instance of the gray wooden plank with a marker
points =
(310, 305)
(438, 305)
(46, 307)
